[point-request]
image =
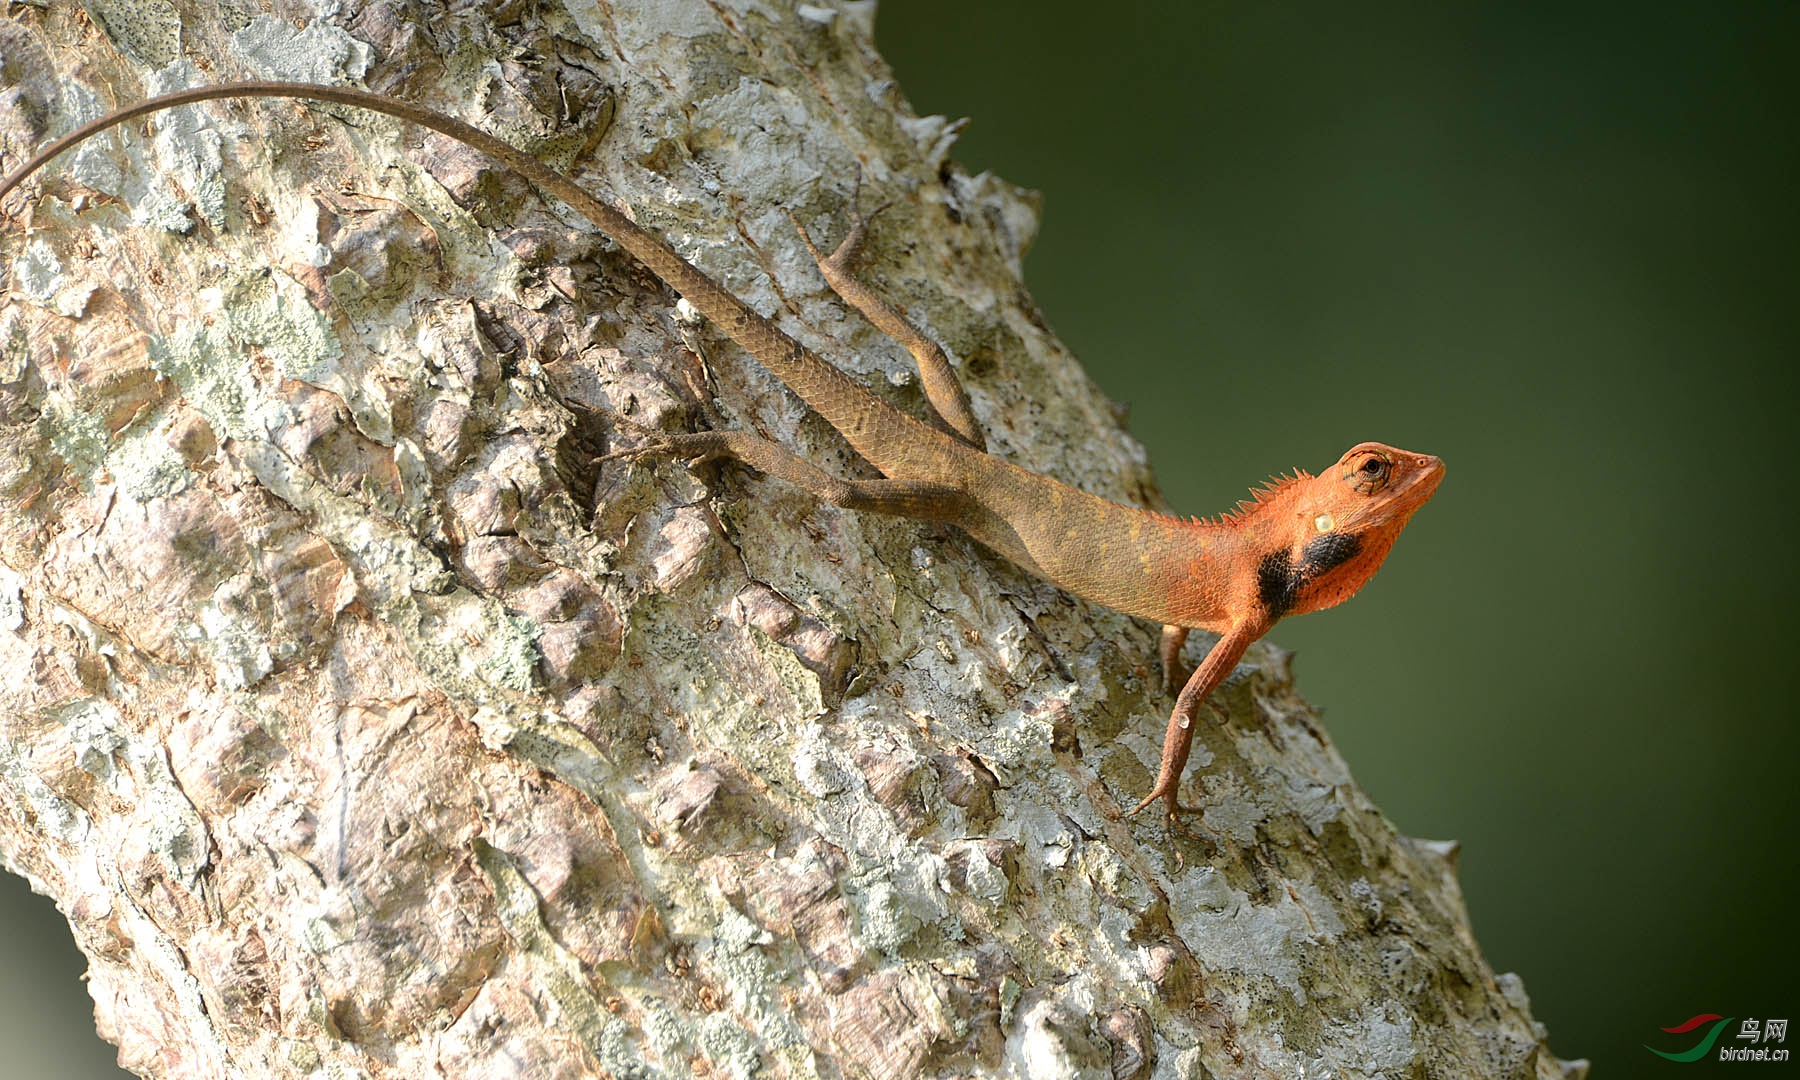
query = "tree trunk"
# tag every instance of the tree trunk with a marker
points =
(363, 725)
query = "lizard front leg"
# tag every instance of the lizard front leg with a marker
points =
(946, 400)
(1175, 673)
(1179, 739)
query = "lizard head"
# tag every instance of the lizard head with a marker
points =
(1328, 534)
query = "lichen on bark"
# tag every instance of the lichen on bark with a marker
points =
(360, 722)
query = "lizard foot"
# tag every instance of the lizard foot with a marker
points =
(843, 260)
(1172, 817)
(691, 449)
(1175, 809)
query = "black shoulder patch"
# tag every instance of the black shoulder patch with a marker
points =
(1328, 552)
(1277, 584)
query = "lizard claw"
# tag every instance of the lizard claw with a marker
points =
(1172, 818)
(858, 219)
(843, 260)
(1174, 805)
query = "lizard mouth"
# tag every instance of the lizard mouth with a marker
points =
(1427, 472)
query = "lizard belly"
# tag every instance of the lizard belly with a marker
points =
(1144, 564)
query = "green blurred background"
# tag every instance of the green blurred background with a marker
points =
(1552, 243)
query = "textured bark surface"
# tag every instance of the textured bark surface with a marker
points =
(362, 726)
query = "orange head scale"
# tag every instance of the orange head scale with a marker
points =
(1323, 536)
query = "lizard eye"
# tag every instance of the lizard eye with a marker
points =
(1369, 475)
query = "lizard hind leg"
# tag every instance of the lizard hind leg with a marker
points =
(920, 499)
(947, 403)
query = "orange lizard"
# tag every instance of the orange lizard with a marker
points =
(1301, 543)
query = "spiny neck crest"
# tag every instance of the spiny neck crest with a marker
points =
(1271, 490)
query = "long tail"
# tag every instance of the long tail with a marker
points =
(865, 420)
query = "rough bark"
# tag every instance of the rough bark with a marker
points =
(362, 726)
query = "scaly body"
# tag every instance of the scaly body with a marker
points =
(1303, 543)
